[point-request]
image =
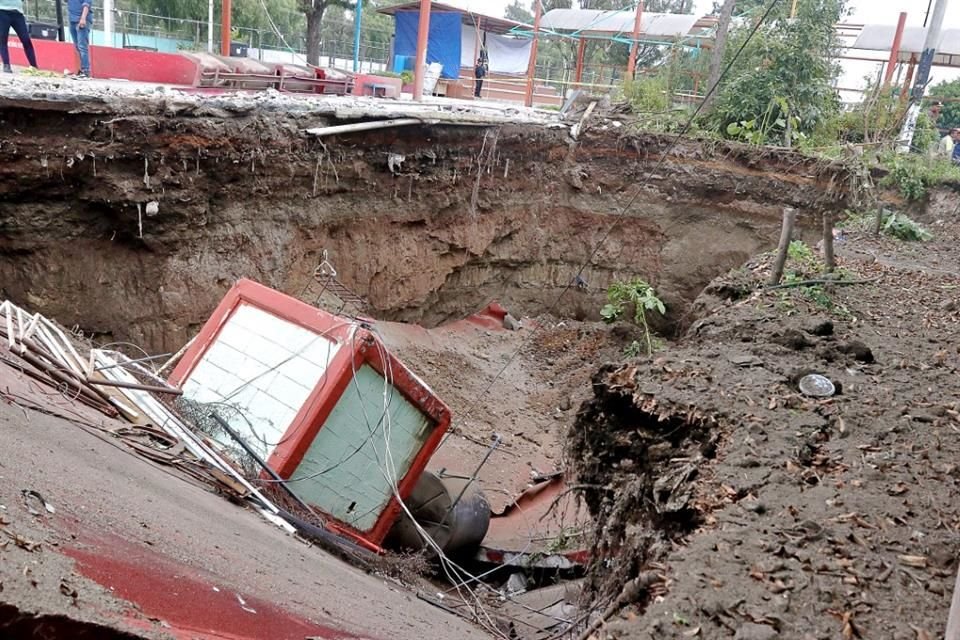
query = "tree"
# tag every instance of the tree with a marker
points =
(518, 13)
(719, 48)
(950, 112)
(782, 82)
(314, 10)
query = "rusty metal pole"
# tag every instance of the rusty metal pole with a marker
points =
(895, 50)
(909, 80)
(635, 49)
(420, 68)
(225, 27)
(532, 65)
(581, 54)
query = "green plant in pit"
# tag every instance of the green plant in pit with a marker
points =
(903, 227)
(804, 264)
(644, 299)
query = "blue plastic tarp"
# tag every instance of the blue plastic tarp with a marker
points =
(443, 39)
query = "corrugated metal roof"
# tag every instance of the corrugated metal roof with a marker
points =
(592, 21)
(879, 37)
(492, 24)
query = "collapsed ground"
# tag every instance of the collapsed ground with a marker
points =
(747, 510)
(750, 510)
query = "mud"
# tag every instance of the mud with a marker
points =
(427, 223)
(787, 516)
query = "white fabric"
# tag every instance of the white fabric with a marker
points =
(431, 77)
(508, 55)
(468, 46)
(618, 22)
(879, 37)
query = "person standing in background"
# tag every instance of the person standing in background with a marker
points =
(81, 22)
(480, 72)
(11, 15)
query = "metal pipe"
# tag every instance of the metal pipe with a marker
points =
(581, 54)
(59, 7)
(225, 26)
(134, 385)
(532, 65)
(362, 126)
(909, 79)
(635, 48)
(138, 360)
(108, 22)
(895, 50)
(210, 26)
(420, 65)
(929, 48)
(357, 23)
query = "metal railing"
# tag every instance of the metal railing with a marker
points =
(136, 29)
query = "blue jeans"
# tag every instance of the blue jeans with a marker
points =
(81, 40)
(16, 20)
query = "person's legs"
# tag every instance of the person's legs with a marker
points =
(83, 46)
(478, 88)
(4, 36)
(81, 42)
(19, 24)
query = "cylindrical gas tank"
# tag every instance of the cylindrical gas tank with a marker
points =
(452, 511)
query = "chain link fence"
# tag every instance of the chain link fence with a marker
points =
(138, 30)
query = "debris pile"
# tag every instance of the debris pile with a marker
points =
(119, 386)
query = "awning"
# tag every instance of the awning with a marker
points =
(594, 22)
(879, 37)
(491, 24)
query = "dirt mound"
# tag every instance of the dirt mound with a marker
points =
(769, 513)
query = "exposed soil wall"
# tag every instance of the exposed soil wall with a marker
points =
(428, 223)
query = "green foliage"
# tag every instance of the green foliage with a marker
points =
(925, 135)
(877, 117)
(758, 131)
(647, 94)
(903, 227)
(804, 264)
(950, 113)
(784, 72)
(913, 175)
(643, 298)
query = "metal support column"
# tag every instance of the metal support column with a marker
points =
(532, 65)
(225, 27)
(420, 65)
(635, 48)
(895, 50)
(357, 23)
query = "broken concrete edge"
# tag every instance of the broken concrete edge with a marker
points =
(119, 97)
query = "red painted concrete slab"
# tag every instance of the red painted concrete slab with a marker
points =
(184, 598)
(110, 63)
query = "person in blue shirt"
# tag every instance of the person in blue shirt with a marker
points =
(955, 156)
(81, 22)
(11, 15)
